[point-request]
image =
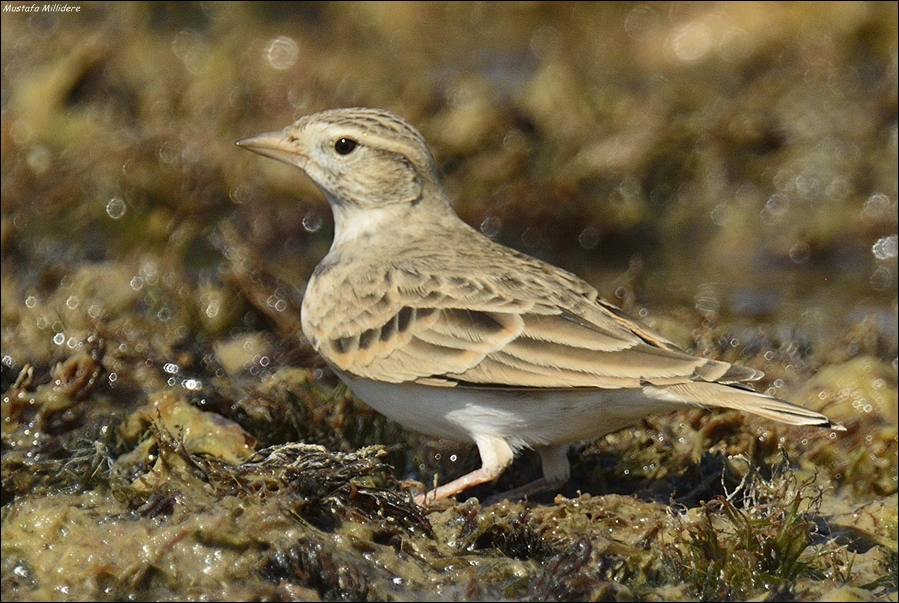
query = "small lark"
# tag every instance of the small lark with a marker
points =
(455, 336)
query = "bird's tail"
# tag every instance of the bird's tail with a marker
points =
(739, 398)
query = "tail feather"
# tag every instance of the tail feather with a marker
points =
(739, 398)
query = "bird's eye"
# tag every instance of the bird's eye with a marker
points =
(345, 146)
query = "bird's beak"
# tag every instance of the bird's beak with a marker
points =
(276, 145)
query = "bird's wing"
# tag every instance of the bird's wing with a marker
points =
(511, 331)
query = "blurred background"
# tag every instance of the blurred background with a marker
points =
(727, 171)
(734, 157)
(738, 158)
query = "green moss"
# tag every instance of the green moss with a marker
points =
(756, 539)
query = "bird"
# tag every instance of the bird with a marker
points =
(456, 336)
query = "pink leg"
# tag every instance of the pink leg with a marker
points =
(496, 455)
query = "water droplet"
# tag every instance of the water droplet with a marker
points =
(708, 300)
(491, 226)
(807, 186)
(777, 204)
(39, 159)
(282, 53)
(641, 21)
(721, 214)
(800, 252)
(882, 280)
(515, 141)
(532, 238)
(115, 208)
(213, 307)
(150, 272)
(190, 47)
(886, 247)
(312, 221)
(876, 205)
(589, 238)
(838, 189)
(241, 194)
(784, 180)
(691, 42)
(629, 187)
